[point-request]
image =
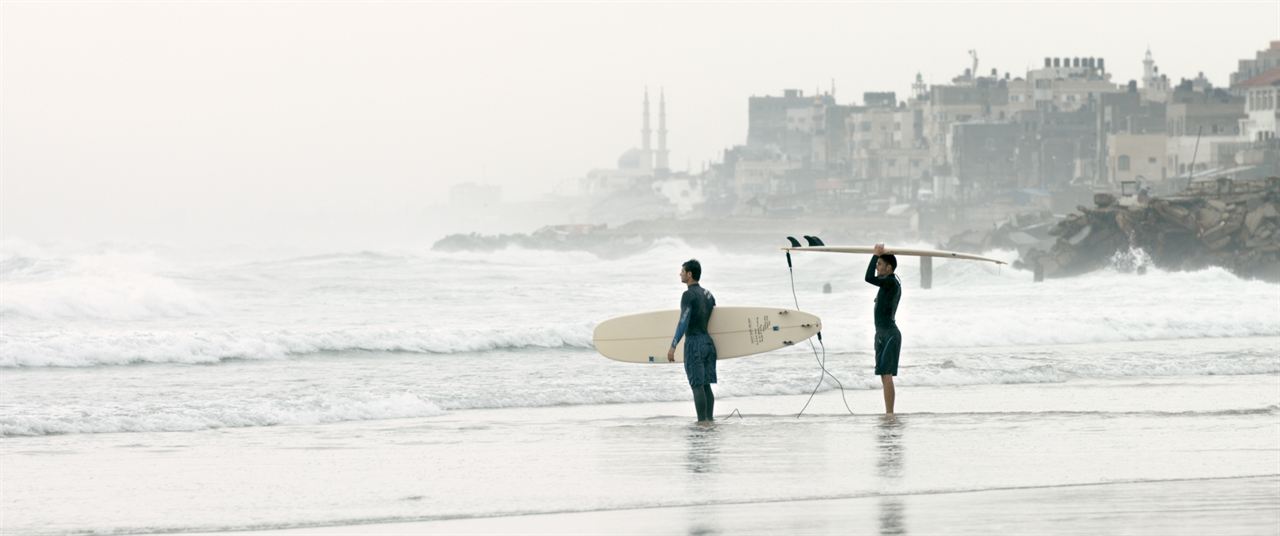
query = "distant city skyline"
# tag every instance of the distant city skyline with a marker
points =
(284, 121)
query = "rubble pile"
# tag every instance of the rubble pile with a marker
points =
(1231, 224)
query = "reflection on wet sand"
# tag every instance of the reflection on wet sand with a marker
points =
(891, 516)
(889, 447)
(703, 445)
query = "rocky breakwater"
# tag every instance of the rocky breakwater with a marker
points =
(1022, 232)
(1231, 224)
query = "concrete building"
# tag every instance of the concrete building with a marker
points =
(889, 155)
(1062, 85)
(760, 178)
(984, 156)
(1128, 112)
(1263, 61)
(795, 145)
(790, 123)
(1056, 149)
(983, 100)
(1203, 127)
(1262, 104)
(1188, 155)
(904, 171)
(1137, 157)
(1207, 111)
(1124, 113)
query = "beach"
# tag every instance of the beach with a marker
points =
(331, 395)
(965, 460)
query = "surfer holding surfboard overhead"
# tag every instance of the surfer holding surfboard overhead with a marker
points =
(699, 351)
(888, 338)
(881, 274)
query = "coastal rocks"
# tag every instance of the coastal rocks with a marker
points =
(1234, 225)
(1022, 232)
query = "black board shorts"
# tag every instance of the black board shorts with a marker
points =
(888, 345)
(699, 359)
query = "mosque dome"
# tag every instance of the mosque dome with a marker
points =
(632, 159)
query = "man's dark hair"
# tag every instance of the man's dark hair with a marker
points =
(694, 268)
(891, 261)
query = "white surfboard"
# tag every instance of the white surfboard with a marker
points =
(736, 332)
(897, 251)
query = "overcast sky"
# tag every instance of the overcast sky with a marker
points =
(259, 121)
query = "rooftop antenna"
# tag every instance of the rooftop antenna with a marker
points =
(1191, 172)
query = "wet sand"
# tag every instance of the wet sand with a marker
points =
(1144, 456)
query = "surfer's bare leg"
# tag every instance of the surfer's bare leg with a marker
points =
(700, 402)
(711, 402)
(887, 380)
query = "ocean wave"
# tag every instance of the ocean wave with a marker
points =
(336, 259)
(106, 308)
(261, 410)
(104, 347)
(1063, 371)
(102, 297)
(105, 285)
(62, 349)
(931, 377)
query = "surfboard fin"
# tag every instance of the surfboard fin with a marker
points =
(794, 243)
(813, 240)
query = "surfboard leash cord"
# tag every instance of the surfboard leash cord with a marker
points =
(822, 361)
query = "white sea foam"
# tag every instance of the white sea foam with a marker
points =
(102, 286)
(84, 349)
(110, 308)
(280, 395)
(63, 348)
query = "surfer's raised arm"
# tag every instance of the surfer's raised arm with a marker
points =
(871, 268)
(888, 338)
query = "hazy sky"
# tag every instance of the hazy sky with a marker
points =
(259, 121)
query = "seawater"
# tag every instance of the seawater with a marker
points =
(109, 340)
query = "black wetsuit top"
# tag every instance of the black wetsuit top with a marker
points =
(887, 298)
(695, 311)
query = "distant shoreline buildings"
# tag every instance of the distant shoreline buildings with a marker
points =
(1046, 138)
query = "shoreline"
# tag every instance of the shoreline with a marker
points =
(647, 468)
(1256, 501)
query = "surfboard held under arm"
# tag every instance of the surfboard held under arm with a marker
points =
(736, 332)
(897, 251)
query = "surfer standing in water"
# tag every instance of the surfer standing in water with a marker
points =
(888, 338)
(699, 351)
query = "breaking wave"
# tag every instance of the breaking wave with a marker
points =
(87, 349)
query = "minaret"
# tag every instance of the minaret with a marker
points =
(918, 89)
(1148, 70)
(662, 132)
(646, 151)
